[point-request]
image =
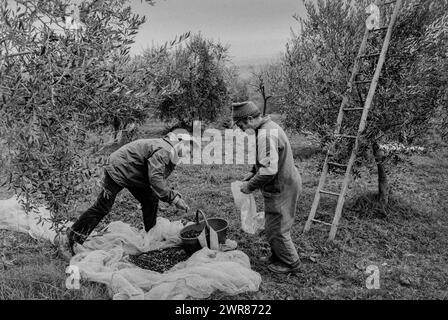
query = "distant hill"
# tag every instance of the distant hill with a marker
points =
(260, 59)
(247, 65)
(245, 71)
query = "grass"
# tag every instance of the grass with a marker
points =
(409, 246)
(30, 269)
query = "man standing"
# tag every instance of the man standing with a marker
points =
(280, 183)
(141, 166)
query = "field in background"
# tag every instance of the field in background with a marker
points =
(409, 247)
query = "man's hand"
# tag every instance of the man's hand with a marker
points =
(248, 176)
(180, 204)
(245, 188)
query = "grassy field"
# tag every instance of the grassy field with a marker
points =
(409, 247)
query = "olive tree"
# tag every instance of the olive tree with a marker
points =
(198, 67)
(412, 89)
(268, 82)
(238, 88)
(65, 75)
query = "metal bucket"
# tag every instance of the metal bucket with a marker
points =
(192, 245)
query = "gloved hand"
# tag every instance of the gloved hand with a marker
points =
(248, 176)
(245, 188)
(180, 204)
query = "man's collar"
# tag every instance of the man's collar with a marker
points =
(263, 121)
(168, 141)
(174, 157)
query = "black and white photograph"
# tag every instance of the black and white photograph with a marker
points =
(230, 156)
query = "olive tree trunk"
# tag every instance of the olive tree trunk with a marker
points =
(383, 183)
(265, 103)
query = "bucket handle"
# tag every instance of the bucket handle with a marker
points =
(205, 218)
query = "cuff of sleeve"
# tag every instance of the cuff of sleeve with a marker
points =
(252, 185)
(176, 198)
(258, 181)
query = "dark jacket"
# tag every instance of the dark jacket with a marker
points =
(144, 163)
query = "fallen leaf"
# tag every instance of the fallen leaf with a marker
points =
(404, 280)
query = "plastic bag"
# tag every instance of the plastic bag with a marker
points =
(251, 221)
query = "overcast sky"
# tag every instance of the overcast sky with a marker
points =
(252, 28)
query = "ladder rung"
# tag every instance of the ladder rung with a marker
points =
(337, 164)
(370, 55)
(353, 109)
(322, 222)
(345, 136)
(362, 81)
(329, 193)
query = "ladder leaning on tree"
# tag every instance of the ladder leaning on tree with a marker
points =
(372, 27)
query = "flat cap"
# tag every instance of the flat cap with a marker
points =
(242, 110)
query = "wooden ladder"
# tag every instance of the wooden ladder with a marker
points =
(362, 123)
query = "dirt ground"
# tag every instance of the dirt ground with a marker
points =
(409, 247)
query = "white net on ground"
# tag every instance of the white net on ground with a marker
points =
(104, 258)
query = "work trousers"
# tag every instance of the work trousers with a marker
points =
(87, 222)
(280, 212)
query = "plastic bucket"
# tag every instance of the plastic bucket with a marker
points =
(192, 245)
